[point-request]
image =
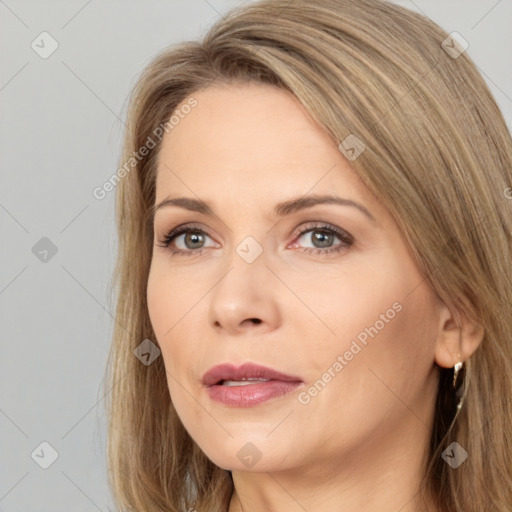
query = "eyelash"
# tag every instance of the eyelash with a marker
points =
(346, 239)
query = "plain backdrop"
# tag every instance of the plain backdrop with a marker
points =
(61, 124)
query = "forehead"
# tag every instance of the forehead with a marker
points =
(250, 139)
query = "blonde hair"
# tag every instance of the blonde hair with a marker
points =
(437, 154)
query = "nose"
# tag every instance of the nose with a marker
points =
(242, 301)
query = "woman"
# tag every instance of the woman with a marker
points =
(314, 279)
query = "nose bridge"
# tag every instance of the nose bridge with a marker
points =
(247, 272)
(243, 292)
(250, 250)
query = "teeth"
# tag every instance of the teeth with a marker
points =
(243, 382)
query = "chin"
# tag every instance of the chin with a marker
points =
(248, 453)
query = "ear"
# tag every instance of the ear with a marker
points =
(457, 335)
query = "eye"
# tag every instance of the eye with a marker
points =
(322, 237)
(187, 239)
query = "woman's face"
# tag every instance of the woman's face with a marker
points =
(325, 294)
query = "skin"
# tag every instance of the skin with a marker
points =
(358, 445)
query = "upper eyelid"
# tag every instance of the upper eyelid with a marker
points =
(309, 225)
(303, 228)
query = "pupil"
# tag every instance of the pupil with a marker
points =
(322, 235)
(194, 238)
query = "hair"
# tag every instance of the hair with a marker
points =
(438, 155)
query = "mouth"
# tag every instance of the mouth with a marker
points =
(247, 385)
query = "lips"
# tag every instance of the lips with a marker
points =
(247, 385)
(248, 371)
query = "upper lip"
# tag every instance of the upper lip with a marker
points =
(245, 371)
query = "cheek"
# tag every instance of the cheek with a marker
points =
(378, 315)
(165, 323)
(159, 299)
(385, 335)
(171, 296)
(167, 305)
(174, 307)
(348, 301)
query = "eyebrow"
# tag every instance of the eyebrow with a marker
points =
(280, 210)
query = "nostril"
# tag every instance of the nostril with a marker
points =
(255, 320)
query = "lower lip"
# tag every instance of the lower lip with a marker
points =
(251, 394)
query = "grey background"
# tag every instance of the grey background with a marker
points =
(61, 124)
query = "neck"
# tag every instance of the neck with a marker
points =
(385, 474)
